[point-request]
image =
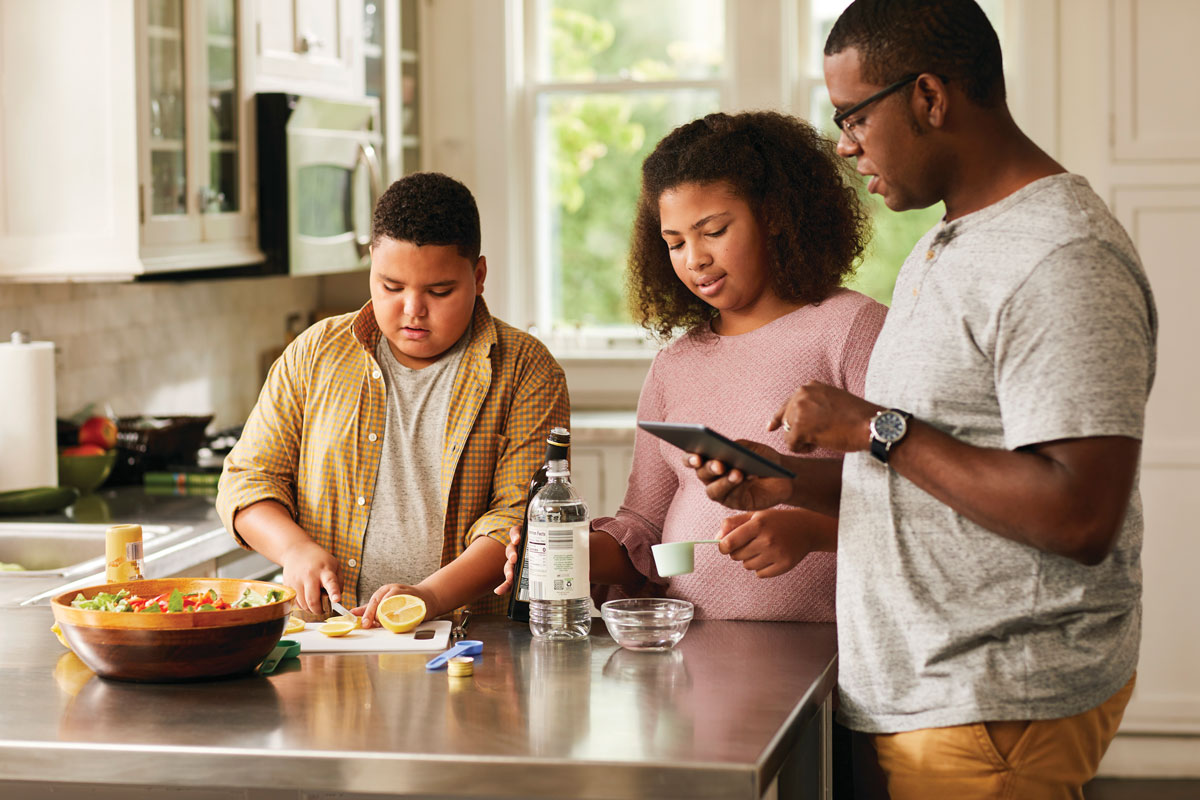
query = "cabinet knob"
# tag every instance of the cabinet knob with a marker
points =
(309, 42)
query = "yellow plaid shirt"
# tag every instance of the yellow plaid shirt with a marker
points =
(314, 439)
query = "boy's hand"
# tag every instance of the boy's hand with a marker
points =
(510, 564)
(769, 542)
(733, 489)
(308, 568)
(367, 612)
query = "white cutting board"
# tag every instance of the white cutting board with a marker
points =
(374, 640)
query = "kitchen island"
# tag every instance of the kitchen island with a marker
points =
(735, 707)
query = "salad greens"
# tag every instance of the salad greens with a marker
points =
(173, 602)
(103, 601)
(252, 598)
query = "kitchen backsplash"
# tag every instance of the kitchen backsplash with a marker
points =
(159, 348)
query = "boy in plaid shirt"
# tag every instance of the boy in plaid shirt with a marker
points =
(390, 448)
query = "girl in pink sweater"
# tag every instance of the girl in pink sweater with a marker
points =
(745, 229)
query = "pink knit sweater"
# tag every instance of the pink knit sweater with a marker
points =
(734, 384)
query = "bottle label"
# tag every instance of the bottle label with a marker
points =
(523, 585)
(556, 560)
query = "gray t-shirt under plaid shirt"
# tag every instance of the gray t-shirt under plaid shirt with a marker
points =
(1028, 321)
(406, 528)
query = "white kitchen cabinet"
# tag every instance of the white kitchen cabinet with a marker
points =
(1133, 130)
(309, 47)
(587, 475)
(601, 457)
(124, 139)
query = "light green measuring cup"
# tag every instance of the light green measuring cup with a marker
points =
(677, 558)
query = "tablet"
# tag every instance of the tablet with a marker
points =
(692, 437)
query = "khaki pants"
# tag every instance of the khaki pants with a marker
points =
(1031, 760)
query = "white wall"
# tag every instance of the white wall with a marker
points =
(468, 113)
(159, 348)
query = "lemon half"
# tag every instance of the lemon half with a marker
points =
(337, 627)
(294, 625)
(401, 613)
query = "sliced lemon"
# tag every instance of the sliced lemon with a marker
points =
(58, 632)
(336, 627)
(400, 613)
(294, 625)
(352, 619)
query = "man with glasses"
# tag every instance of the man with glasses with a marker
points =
(989, 579)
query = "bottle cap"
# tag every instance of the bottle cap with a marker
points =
(558, 443)
(460, 667)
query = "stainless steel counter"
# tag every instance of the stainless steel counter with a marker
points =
(734, 706)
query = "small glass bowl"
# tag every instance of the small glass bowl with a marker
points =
(647, 623)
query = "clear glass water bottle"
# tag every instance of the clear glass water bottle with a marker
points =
(556, 558)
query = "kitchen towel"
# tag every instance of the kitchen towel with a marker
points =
(28, 449)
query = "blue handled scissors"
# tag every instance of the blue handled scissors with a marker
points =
(467, 647)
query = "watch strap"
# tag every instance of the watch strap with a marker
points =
(879, 449)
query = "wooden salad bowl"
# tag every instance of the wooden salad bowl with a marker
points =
(179, 646)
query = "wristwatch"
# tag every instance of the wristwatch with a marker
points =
(887, 429)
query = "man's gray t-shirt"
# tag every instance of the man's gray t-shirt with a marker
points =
(1027, 321)
(405, 530)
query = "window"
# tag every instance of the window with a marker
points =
(606, 81)
(599, 83)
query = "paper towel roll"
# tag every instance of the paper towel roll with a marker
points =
(28, 448)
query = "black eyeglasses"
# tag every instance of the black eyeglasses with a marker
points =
(841, 119)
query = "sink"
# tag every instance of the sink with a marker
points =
(52, 549)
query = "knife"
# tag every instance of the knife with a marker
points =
(341, 609)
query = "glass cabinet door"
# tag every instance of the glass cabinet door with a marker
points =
(390, 63)
(168, 108)
(192, 160)
(409, 97)
(220, 38)
(378, 61)
(375, 20)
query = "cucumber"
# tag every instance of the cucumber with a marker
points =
(37, 501)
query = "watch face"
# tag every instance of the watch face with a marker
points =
(890, 426)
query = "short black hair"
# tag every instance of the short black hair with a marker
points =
(950, 38)
(800, 191)
(428, 208)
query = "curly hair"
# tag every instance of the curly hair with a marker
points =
(428, 208)
(801, 192)
(951, 38)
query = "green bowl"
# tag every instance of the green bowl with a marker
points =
(85, 473)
